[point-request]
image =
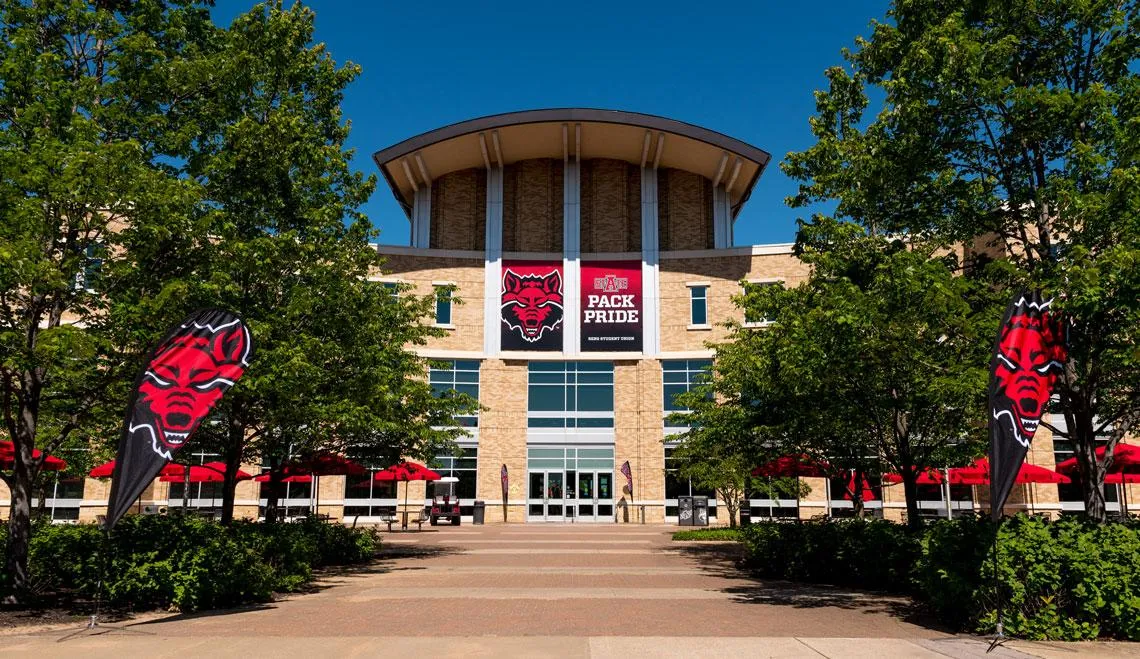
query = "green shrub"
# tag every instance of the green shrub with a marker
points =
(1063, 580)
(871, 554)
(708, 534)
(188, 563)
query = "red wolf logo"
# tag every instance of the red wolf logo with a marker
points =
(532, 304)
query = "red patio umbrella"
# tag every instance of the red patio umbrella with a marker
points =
(8, 458)
(791, 466)
(106, 469)
(868, 493)
(299, 478)
(323, 463)
(406, 471)
(1125, 455)
(979, 474)
(927, 476)
(211, 472)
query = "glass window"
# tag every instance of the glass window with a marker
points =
(681, 376)
(698, 298)
(442, 305)
(570, 395)
(463, 466)
(459, 376)
(92, 267)
(677, 486)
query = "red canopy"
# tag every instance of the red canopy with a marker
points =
(1026, 474)
(325, 464)
(1119, 478)
(1125, 455)
(211, 472)
(868, 493)
(8, 458)
(299, 478)
(789, 466)
(106, 469)
(927, 476)
(406, 471)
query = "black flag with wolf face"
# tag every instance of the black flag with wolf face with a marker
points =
(1029, 355)
(183, 379)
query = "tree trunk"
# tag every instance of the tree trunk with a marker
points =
(857, 494)
(1083, 437)
(19, 532)
(732, 505)
(910, 491)
(272, 501)
(233, 463)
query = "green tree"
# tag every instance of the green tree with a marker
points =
(1007, 126)
(87, 112)
(873, 362)
(711, 452)
(290, 252)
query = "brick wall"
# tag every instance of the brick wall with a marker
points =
(459, 210)
(466, 311)
(502, 436)
(723, 275)
(532, 206)
(638, 434)
(684, 210)
(610, 206)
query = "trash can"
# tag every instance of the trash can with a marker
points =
(479, 512)
(700, 511)
(684, 511)
(745, 514)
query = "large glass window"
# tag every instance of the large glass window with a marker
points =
(570, 395)
(460, 376)
(1071, 495)
(366, 497)
(753, 318)
(681, 376)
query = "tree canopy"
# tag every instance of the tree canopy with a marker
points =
(1007, 127)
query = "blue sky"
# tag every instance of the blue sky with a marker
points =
(747, 71)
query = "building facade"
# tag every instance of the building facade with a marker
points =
(583, 262)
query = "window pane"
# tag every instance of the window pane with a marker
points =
(546, 399)
(595, 398)
(699, 317)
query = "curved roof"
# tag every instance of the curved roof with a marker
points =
(567, 133)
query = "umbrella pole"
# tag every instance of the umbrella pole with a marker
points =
(946, 489)
(827, 495)
(771, 497)
(407, 484)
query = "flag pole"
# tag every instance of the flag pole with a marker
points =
(999, 633)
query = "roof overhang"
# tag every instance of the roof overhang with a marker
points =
(584, 133)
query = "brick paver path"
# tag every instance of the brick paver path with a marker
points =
(543, 590)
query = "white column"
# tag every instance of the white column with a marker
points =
(493, 262)
(650, 251)
(722, 218)
(421, 217)
(571, 257)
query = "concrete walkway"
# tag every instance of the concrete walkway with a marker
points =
(582, 591)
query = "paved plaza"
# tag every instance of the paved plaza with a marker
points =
(548, 591)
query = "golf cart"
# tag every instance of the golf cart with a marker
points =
(444, 501)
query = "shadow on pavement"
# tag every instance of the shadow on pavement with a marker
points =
(724, 560)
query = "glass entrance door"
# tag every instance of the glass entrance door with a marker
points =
(595, 496)
(545, 494)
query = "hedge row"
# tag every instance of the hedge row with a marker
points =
(186, 563)
(1063, 580)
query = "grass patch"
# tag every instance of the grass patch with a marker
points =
(708, 534)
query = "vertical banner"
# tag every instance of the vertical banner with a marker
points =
(1029, 355)
(625, 471)
(611, 306)
(185, 376)
(531, 306)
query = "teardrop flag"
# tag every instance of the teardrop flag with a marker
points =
(183, 379)
(1029, 355)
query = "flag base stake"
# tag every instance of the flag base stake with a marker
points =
(93, 628)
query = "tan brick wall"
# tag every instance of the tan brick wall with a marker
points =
(684, 210)
(638, 431)
(610, 206)
(724, 274)
(459, 210)
(502, 436)
(532, 206)
(466, 312)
